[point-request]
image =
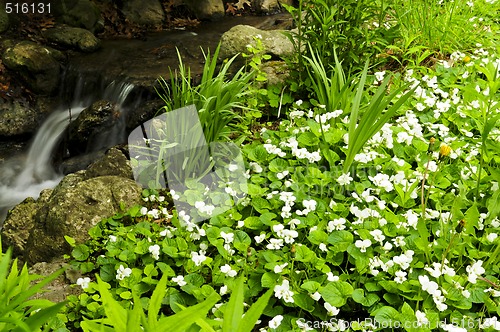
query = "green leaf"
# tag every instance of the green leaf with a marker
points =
(308, 139)
(241, 241)
(471, 219)
(234, 309)
(386, 316)
(253, 314)
(336, 293)
(156, 301)
(81, 252)
(367, 301)
(340, 240)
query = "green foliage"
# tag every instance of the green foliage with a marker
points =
(18, 312)
(352, 30)
(442, 26)
(126, 320)
(215, 97)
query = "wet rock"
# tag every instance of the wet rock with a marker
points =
(114, 162)
(16, 119)
(80, 13)
(277, 72)
(100, 117)
(18, 225)
(237, 38)
(270, 6)
(4, 21)
(60, 288)
(72, 210)
(36, 64)
(207, 9)
(76, 38)
(143, 12)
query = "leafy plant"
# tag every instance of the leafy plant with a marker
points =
(126, 320)
(215, 97)
(17, 311)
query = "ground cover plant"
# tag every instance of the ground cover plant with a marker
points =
(372, 204)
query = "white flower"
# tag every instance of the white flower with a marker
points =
(275, 322)
(332, 278)
(429, 286)
(179, 280)
(400, 277)
(223, 290)
(331, 310)
(174, 195)
(379, 76)
(144, 210)
(275, 244)
(475, 270)
(492, 237)
(83, 282)
(279, 268)
(421, 318)
(123, 272)
(316, 296)
(112, 238)
(283, 291)
(323, 247)
(260, 238)
(344, 179)
(228, 237)
(198, 258)
(377, 235)
(227, 270)
(363, 244)
(336, 224)
(309, 204)
(155, 251)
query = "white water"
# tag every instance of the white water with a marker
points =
(27, 175)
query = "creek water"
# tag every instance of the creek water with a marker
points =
(27, 174)
(138, 62)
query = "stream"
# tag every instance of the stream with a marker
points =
(111, 74)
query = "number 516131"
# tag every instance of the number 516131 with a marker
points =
(27, 8)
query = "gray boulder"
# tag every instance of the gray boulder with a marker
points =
(76, 38)
(18, 225)
(99, 118)
(114, 162)
(16, 119)
(72, 210)
(207, 9)
(36, 64)
(143, 12)
(269, 6)
(4, 20)
(80, 13)
(238, 37)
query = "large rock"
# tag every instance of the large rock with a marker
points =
(18, 225)
(238, 37)
(207, 9)
(93, 121)
(4, 20)
(143, 12)
(80, 14)
(16, 119)
(270, 6)
(76, 38)
(73, 209)
(36, 64)
(114, 162)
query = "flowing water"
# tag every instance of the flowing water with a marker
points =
(27, 175)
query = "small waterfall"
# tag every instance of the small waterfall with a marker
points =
(27, 175)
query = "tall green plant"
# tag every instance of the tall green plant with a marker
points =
(215, 97)
(120, 319)
(351, 28)
(17, 311)
(440, 26)
(366, 115)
